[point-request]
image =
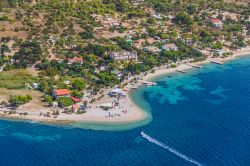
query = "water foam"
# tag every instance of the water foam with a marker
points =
(172, 150)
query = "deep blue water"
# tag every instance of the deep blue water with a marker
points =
(199, 118)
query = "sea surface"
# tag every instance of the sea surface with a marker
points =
(199, 118)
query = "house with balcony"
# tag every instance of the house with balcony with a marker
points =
(152, 49)
(123, 55)
(61, 93)
(78, 60)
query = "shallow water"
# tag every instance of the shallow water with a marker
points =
(199, 118)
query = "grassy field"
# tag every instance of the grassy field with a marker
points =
(36, 95)
(15, 79)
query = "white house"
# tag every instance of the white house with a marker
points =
(67, 82)
(157, 16)
(35, 85)
(54, 104)
(152, 49)
(115, 92)
(103, 67)
(169, 47)
(219, 52)
(170, 17)
(123, 55)
(115, 24)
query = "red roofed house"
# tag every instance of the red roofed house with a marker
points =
(217, 23)
(75, 99)
(76, 60)
(61, 93)
(75, 108)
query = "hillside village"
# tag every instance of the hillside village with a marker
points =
(67, 55)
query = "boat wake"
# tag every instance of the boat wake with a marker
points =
(172, 150)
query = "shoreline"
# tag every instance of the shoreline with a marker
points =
(162, 70)
(135, 115)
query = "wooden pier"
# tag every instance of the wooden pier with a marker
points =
(216, 62)
(194, 65)
(181, 71)
(147, 82)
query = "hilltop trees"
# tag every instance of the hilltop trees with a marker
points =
(162, 7)
(183, 18)
(88, 33)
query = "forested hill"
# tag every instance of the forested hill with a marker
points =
(159, 4)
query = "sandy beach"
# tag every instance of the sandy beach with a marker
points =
(127, 111)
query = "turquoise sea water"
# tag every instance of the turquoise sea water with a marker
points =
(199, 118)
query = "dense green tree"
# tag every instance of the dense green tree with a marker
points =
(192, 8)
(4, 48)
(76, 93)
(88, 33)
(48, 99)
(78, 84)
(107, 78)
(183, 18)
(205, 36)
(217, 45)
(30, 52)
(19, 100)
(65, 101)
(124, 44)
(162, 7)
(151, 20)
(122, 5)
